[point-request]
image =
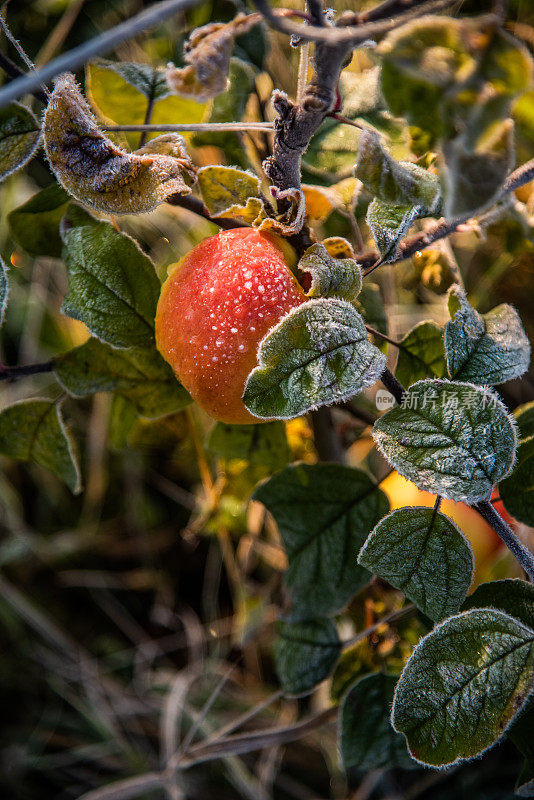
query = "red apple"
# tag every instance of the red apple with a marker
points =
(216, 306)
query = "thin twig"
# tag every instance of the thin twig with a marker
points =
(347, 30)
(192, 203)
(98, 45)
(11, 373)
(212, 127)
(393, 385)
(394, 616)
(516, 547)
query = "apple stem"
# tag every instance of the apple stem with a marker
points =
(326, 440)
(516, 547)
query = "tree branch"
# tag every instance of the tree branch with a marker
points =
(516, 547)
(443, 228)
(349, 29)
(11, 373)
(13, 71)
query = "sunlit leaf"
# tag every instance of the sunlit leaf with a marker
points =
(422, 552)
(324, 513)
(318, 354)
(490, 348)
(230, 192)
(367, 740)
(453, 439)
(34, 430)
(120, 92)
(113, 286)
(35, 224)
(305, 653)
(463, 686)
(20, 137)
(330, 277)
(140, 375)
(421, 354)
(92, 169)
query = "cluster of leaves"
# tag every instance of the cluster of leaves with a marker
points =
(468, 680)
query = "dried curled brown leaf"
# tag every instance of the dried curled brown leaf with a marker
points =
(97, 172)
(208, 54)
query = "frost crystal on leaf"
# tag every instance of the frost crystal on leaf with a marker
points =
(304, 653)
(487, 349)
(318, 354)
(20, 137)
(97, 172)
(452, 439)
(34, 430)
(463, 685)
(324, 513)
(422, 552)
(330, 277)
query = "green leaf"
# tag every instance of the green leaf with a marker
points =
(477, 165)
(463, 685)
(525, 419)
(35, 224)
(422, 552)
(122, 419)
(119, 92)
(113, 287)
(146, 79)
(4, 290)
(265, 444)
(517, 490)
(452, 439)
(486, 349)
(318, 354)
(230, 106)
(324, 513)
(230, 192)
(388, 224)
(305, 653)
(521, 735)
(371, 306)
(511, 595)
(20, 137)
(367, 740)
(139, 374)
(393, 182)
(421, 354)
(33, 430)
(330, 277)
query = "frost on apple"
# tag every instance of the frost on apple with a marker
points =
(97, 172)
(485, 348)
(208, 54)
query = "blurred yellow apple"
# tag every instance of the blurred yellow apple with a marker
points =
(484, 540)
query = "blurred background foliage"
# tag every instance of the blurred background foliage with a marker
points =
(161, 570)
